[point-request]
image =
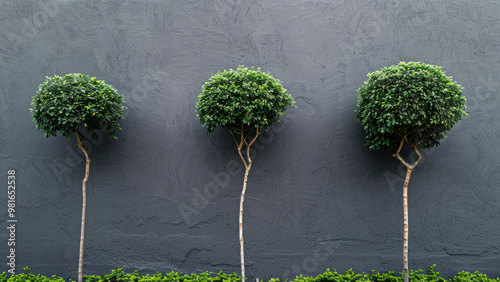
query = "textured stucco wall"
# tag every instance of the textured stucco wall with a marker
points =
(165, 195)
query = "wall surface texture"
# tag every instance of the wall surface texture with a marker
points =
(165, 195)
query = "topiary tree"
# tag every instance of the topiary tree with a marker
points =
(412, 103)
(79, 105)
(246, 102)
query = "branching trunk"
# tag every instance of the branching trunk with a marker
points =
(409, 169)
(248, 164)
(84, 204)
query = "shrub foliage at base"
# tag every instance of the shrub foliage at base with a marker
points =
(120, 276)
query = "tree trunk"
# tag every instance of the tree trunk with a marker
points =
(248, 165)
(84, 204)
(242, 249)
(409, 169)
(405, 208)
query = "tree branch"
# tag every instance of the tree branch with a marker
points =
(396, 155)
(435, 131)
(246, 137)
(86, 133)
(244, 140)
(418, 129)
(408, 141)
(250, 144)
(79, 142)
(81, 146)
(401, 160)
(255, 138)
(398, 133)
(405, 137)
(414, 147)
(240, 146)
(418, 158)
(234, 139)
(400, 145)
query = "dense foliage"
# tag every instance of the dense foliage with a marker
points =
(120, 276)
(242, 97)
(409, 98)
(65, 103)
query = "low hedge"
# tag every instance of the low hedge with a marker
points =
(120, 276)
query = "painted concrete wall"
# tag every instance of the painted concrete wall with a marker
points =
(165, 195)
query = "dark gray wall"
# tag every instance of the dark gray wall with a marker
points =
(165, 195)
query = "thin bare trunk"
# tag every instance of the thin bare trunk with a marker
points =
(405, 207)
(248, 165)
(242, 199)
(84, 204)
(409, 169)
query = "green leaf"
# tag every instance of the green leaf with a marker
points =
(408, 97)
(61, 105)
(242, 96)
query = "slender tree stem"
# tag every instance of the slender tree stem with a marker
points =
(242, 249)
(84, 204)
(409, 169)
(248, 165)
(405, 224)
